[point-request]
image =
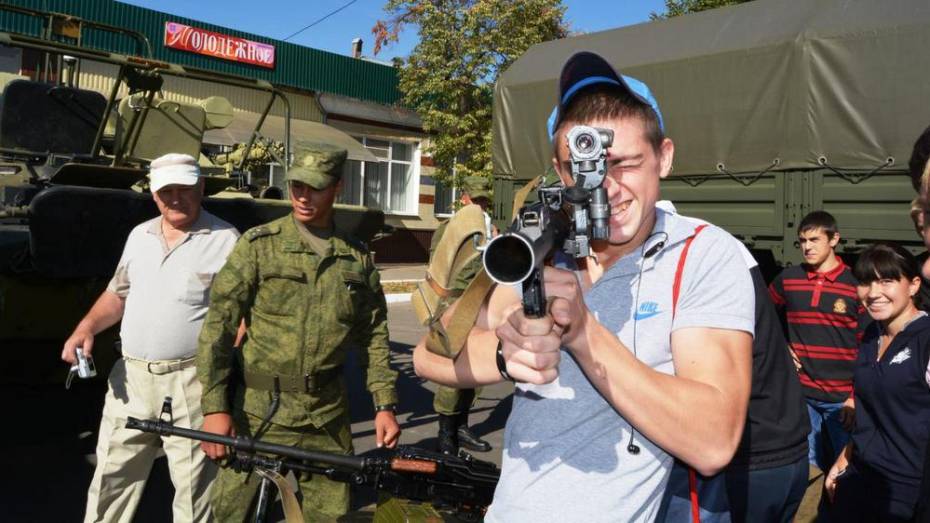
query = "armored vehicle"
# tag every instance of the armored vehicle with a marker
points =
(72, 179)
(776, 108)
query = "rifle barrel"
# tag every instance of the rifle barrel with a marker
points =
(246, 444)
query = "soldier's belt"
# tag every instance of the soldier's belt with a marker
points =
(305, 384)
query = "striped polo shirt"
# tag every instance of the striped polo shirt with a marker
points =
(823, 317)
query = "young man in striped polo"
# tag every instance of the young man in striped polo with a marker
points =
(822, 318)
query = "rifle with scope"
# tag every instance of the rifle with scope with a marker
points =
(462, 484)
(565, 218)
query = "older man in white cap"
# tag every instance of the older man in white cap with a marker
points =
(160, 291)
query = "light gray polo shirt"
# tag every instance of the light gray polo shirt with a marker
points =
(565, 456)
(167, 291)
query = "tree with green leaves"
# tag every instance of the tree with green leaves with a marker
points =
(449, 76)
(683, 7)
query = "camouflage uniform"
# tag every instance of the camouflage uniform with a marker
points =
(453, 404)
(447, 400)
(303, 311)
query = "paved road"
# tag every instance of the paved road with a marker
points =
(47, 443)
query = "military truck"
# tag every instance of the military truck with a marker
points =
(72, 180)
(776, 108)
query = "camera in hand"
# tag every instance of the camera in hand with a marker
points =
(84, 367)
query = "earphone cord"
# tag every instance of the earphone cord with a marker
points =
(631, 448)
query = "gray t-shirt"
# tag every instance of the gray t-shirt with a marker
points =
(167, 291)
(565, 456)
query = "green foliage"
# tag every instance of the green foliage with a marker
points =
(683, 7)
(449, 76)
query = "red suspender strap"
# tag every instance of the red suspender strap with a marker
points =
(676, 289)
(692, 489)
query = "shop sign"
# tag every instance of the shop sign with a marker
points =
(201, 41)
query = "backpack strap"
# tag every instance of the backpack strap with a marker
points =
(453, 252)
(448, 340)
(676, 291)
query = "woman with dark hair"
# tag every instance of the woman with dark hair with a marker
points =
(877, 477)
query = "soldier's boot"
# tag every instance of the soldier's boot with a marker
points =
(448, 437)
(469, 439)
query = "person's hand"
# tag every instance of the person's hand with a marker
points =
(531, 346)
(80, 338)
(848, 414)
(217, 423)
(567, 306)
(795, 359)
(387, 431)
(829, 483)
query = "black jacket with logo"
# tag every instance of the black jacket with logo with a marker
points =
(893, 412)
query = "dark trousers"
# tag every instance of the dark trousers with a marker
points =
(760, 496)
(766, 495)
(855, 502)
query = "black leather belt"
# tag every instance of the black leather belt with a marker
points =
(307, 383)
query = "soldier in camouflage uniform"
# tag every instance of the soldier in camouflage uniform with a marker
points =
(451, 404)
(307, 293)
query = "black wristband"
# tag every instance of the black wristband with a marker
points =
(387, 406)
(501, 363)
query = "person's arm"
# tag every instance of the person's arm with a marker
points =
(837, 470)
(371, 336)
(231, 295)
(698, 414)
(476, 364)
(106, 311)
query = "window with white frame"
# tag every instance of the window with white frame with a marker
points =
(444, 199)
(391, 184)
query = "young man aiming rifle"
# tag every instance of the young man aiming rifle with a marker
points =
(645, 351)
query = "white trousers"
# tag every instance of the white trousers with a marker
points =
(125, 457)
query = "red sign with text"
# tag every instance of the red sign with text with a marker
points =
(201, 41)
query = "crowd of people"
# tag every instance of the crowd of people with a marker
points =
(666, 382)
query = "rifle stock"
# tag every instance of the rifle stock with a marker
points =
(463, 483)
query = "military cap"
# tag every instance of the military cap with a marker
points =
(317, 165)
(477, 187)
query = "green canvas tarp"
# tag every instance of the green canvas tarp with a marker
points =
(792, 82)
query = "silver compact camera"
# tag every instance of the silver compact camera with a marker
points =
(84, 367)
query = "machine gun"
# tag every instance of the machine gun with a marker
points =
(462, 484)
(518, 255)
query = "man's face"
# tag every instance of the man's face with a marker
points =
(179, 205)
(922, 221)
(634, 169)
(481, 201)
(816, 247)
(312, 207)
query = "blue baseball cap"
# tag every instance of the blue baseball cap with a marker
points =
(587, 68)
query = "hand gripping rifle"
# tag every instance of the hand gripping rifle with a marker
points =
(518, 255)
(460, 483)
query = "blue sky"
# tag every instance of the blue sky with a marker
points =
(280, 18)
